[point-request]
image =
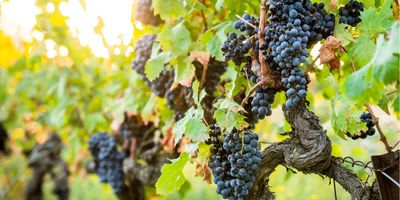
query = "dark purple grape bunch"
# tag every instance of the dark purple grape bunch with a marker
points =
(350, 13)
(235, 163)
(365, 117)
(236, 48)
(263, 99)
(108, 160)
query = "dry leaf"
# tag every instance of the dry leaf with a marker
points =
(204, 171)
(333, 4)
(327, 52)
(168, 140)
(202, 57)
(184, 141)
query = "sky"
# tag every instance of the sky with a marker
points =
(116, 15)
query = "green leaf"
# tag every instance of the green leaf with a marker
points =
(396, 103)
(228, 104)
(169, 9)
(155, 65)
(197, 99)
(192, 125)
(345, 116)
(196, 129)
(229, 120)
(227, 114)
(360, 85)
(376, 20)
(362, 50)
(176, 40)
(172, 177)
(214, 38)
(387, 56)
(184, 71)
(342, 33)
(383, 104)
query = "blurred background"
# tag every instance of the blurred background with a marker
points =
(65, 67)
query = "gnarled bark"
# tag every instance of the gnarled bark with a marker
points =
(309, 151)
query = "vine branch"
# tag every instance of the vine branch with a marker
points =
(265, 72)
(382, 136)
(308, 151)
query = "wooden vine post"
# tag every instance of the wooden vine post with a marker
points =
(387, 174)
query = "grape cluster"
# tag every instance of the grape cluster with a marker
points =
(180, 100)
(263, 99)
(246, 27)
(295, 83)
(365, 117)
(108, 160)
(321, 22)
(236, 48)
(215, 69)
(143, 48)
(234, 177)
(350, 13)
(145, 14)
(293, 27)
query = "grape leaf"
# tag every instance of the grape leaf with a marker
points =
(382, 69)
(345, 116)
(383, 104)
(204, 151)
(376, 20)
(184, 71)
(360, 85)
(169, 9)
(196, 96)
(214, 39)
(172, 177)
(155, 65)
(176, 40)
(227, 114)
(387, 56)
(196, 129)
(192, 125)
(362, 50)
(342, 33)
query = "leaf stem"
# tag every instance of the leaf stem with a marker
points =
(311, 65)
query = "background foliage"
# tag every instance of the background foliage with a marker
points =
(55, 82)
